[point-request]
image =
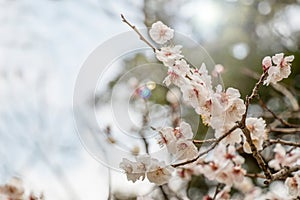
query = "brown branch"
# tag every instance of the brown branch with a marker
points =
(283, 173)
(285, 130)
(282, 121)
(259, 159)
(218, 189)
(284, 142)
(256, 176)
(218, 140)
(204, 141)
(138, 32)
(252, 96)
(242, 125)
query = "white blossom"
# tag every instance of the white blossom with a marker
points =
(293, 185)
(256, 126)
(225, 166)
(218, 70)
(161, 33)
(177, 73)
(282, 158)
(168, 55)
(281, 70)
(157, 172)
(178, 141)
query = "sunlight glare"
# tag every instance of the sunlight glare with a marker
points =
(208, 13)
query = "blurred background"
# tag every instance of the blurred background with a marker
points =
(44, 43)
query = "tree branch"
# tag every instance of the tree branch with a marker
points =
(285, 130)
(282, 121)
(138, 32)
(283, 173)
(284, 142)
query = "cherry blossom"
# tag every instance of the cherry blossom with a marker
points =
(225, 166)
(12, 190)
(276, 191)
(256, 126)
(156, 171)
(281, 70)
(266, 62)
(168, 55)
(177, 73)
(220, 109)
(161, 33)
(282, 158)
(177, 141)
(227, 109)
(218, 69)
(293, 185)
(133, 170)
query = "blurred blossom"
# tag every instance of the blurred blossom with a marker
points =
(240, 50)
(264, 7)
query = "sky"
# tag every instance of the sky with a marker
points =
(42, 47)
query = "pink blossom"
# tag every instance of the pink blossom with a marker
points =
(266, 62)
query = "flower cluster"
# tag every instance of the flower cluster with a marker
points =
(223, 110)
(225, 167)
(280, 70)
(283, 158)
(156, 171)
(178, 141)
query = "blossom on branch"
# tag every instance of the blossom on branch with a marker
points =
(156, 171)
(281, 69)
(283, 158)
(161, 33)
(293, 185)
(178, 141)
(168, 55)
(256, 126)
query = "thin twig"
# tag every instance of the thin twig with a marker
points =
(138, 32)
(256, 176)
(218, 189)
(204, 141)
(285, 130)
(282, 121)
(284, 142)
(209, 149)
(259, 159)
